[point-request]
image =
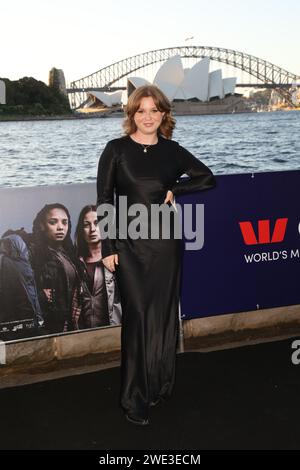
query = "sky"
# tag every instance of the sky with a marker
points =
(82, 36)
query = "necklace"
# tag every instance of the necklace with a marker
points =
(145, 147)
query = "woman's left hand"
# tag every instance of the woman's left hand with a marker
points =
(169, 197)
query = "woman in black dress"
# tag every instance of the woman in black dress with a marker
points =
(144, 166)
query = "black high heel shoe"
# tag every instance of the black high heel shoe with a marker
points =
(135, 420)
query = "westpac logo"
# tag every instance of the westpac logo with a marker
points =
(263, 231)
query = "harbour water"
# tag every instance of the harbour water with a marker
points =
(67, 151)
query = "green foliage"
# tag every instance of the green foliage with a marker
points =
(28, 96)
(262, 97)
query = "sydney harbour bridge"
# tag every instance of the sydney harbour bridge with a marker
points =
(113, 77)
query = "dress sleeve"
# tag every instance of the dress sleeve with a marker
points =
(200, 176)
(105, 192)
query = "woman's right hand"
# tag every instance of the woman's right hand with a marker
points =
(110, 262)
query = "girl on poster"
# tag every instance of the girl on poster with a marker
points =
(55, 266)
(98, 302)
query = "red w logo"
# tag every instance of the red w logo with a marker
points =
(264, 235)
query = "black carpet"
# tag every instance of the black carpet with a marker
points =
(242, 398)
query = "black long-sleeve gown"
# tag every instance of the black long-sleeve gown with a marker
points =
(149, 270)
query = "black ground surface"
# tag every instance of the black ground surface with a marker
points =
(241, 398)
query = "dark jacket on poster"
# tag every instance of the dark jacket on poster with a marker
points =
(20, 311)
(101, 306)
(57, 280)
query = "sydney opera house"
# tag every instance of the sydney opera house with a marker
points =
(192, 91)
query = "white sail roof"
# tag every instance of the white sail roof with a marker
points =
(138, 81)
(215, 84)
(182, 94)
(108, 98)
(196, 80)
(229, 85)
(169, 89)
(116, 96)
(170, 76)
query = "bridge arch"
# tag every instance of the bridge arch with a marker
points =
(105, 78)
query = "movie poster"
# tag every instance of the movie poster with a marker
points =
(51, 278)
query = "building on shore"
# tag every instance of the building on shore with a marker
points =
(2, 92)
(226, 105)
(57, 80)
(193, 90)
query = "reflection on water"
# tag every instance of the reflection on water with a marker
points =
(64, 152)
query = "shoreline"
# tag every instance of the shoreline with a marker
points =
(75, 117)
(102, 115)
(58, 117)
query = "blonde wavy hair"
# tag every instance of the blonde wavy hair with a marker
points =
(161, 102)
